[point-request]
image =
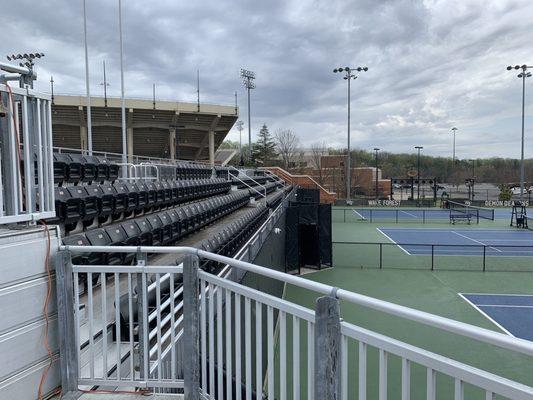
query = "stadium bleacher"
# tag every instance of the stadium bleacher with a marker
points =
(95, 207)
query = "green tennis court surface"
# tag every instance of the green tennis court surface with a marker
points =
(407, 280)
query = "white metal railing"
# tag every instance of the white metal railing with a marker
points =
(229, 333)
(26, 167)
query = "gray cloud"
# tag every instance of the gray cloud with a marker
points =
(433, 64)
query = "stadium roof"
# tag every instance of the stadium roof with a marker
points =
(163, 129)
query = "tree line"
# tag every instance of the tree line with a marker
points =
(283, 149)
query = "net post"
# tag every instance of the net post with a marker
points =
(397, 212)
(484, 257)
(344, 216)
(370, 215)
(432, 257)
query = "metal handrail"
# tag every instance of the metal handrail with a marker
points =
(447, 324)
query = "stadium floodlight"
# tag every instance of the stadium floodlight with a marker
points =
(418, 172)
(523, 75)
(248, 78)
(348, 76)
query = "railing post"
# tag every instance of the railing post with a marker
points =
(141, 260)
(191, 337)
(67, 324)
(327, 349)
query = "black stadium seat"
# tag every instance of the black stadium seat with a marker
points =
(118, 238)
(61, 168)
(157, 229)
(69, 210)
(146, 236)
(89, 203)
(133, 233)
(106, 200)
(88, 169)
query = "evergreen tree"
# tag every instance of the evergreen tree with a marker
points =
(265, 147)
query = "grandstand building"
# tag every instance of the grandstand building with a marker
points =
(162, 129)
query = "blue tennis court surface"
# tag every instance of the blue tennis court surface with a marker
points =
(512, 313)
(462, 242)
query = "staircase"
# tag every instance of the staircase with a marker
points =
(304, 181)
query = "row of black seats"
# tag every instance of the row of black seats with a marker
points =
(193, 171)
(275, 200)
(231, 238)
(226, 242)
(76, 168)
(157, 229)
(268, 187)
(85, 203)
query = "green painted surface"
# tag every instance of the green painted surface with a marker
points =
(417, 287)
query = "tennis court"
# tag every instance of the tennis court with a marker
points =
(512, 313)
(463, 242)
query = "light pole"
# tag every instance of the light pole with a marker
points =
(122, 98)
(248, 78)
(454, 130)
(105, 85)
(239, 127)
(418, 173)
(473, 178)
(376, 149)
(89, 122)
(348, 76)
(52, 87)
(523, 75)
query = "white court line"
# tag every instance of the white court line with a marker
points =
(503, 306)
(476, 241)
(356, 213)
(485, 314)
(388, 237)
(499, 294)
(412, 215)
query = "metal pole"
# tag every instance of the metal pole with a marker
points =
(522, 172)
(249, 127)
(454, 130)
(89, 124)
(105, 87)
(377, 194)
(348, 159)
(418, 176)
(198, 88)
(123, 101)
(52, 87)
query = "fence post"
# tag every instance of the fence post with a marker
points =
(432, 257)
(191, 337)
(380, 255)
(66, 324)
(141, 261)
(327, 348)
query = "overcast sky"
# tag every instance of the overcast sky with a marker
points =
(433, 64)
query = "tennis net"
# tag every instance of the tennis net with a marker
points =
(473, 211)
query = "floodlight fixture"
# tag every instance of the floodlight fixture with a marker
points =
(522, 75)
(348, 76)
(248, 78)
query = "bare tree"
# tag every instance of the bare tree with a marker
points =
(317, 151)
(287, 144)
